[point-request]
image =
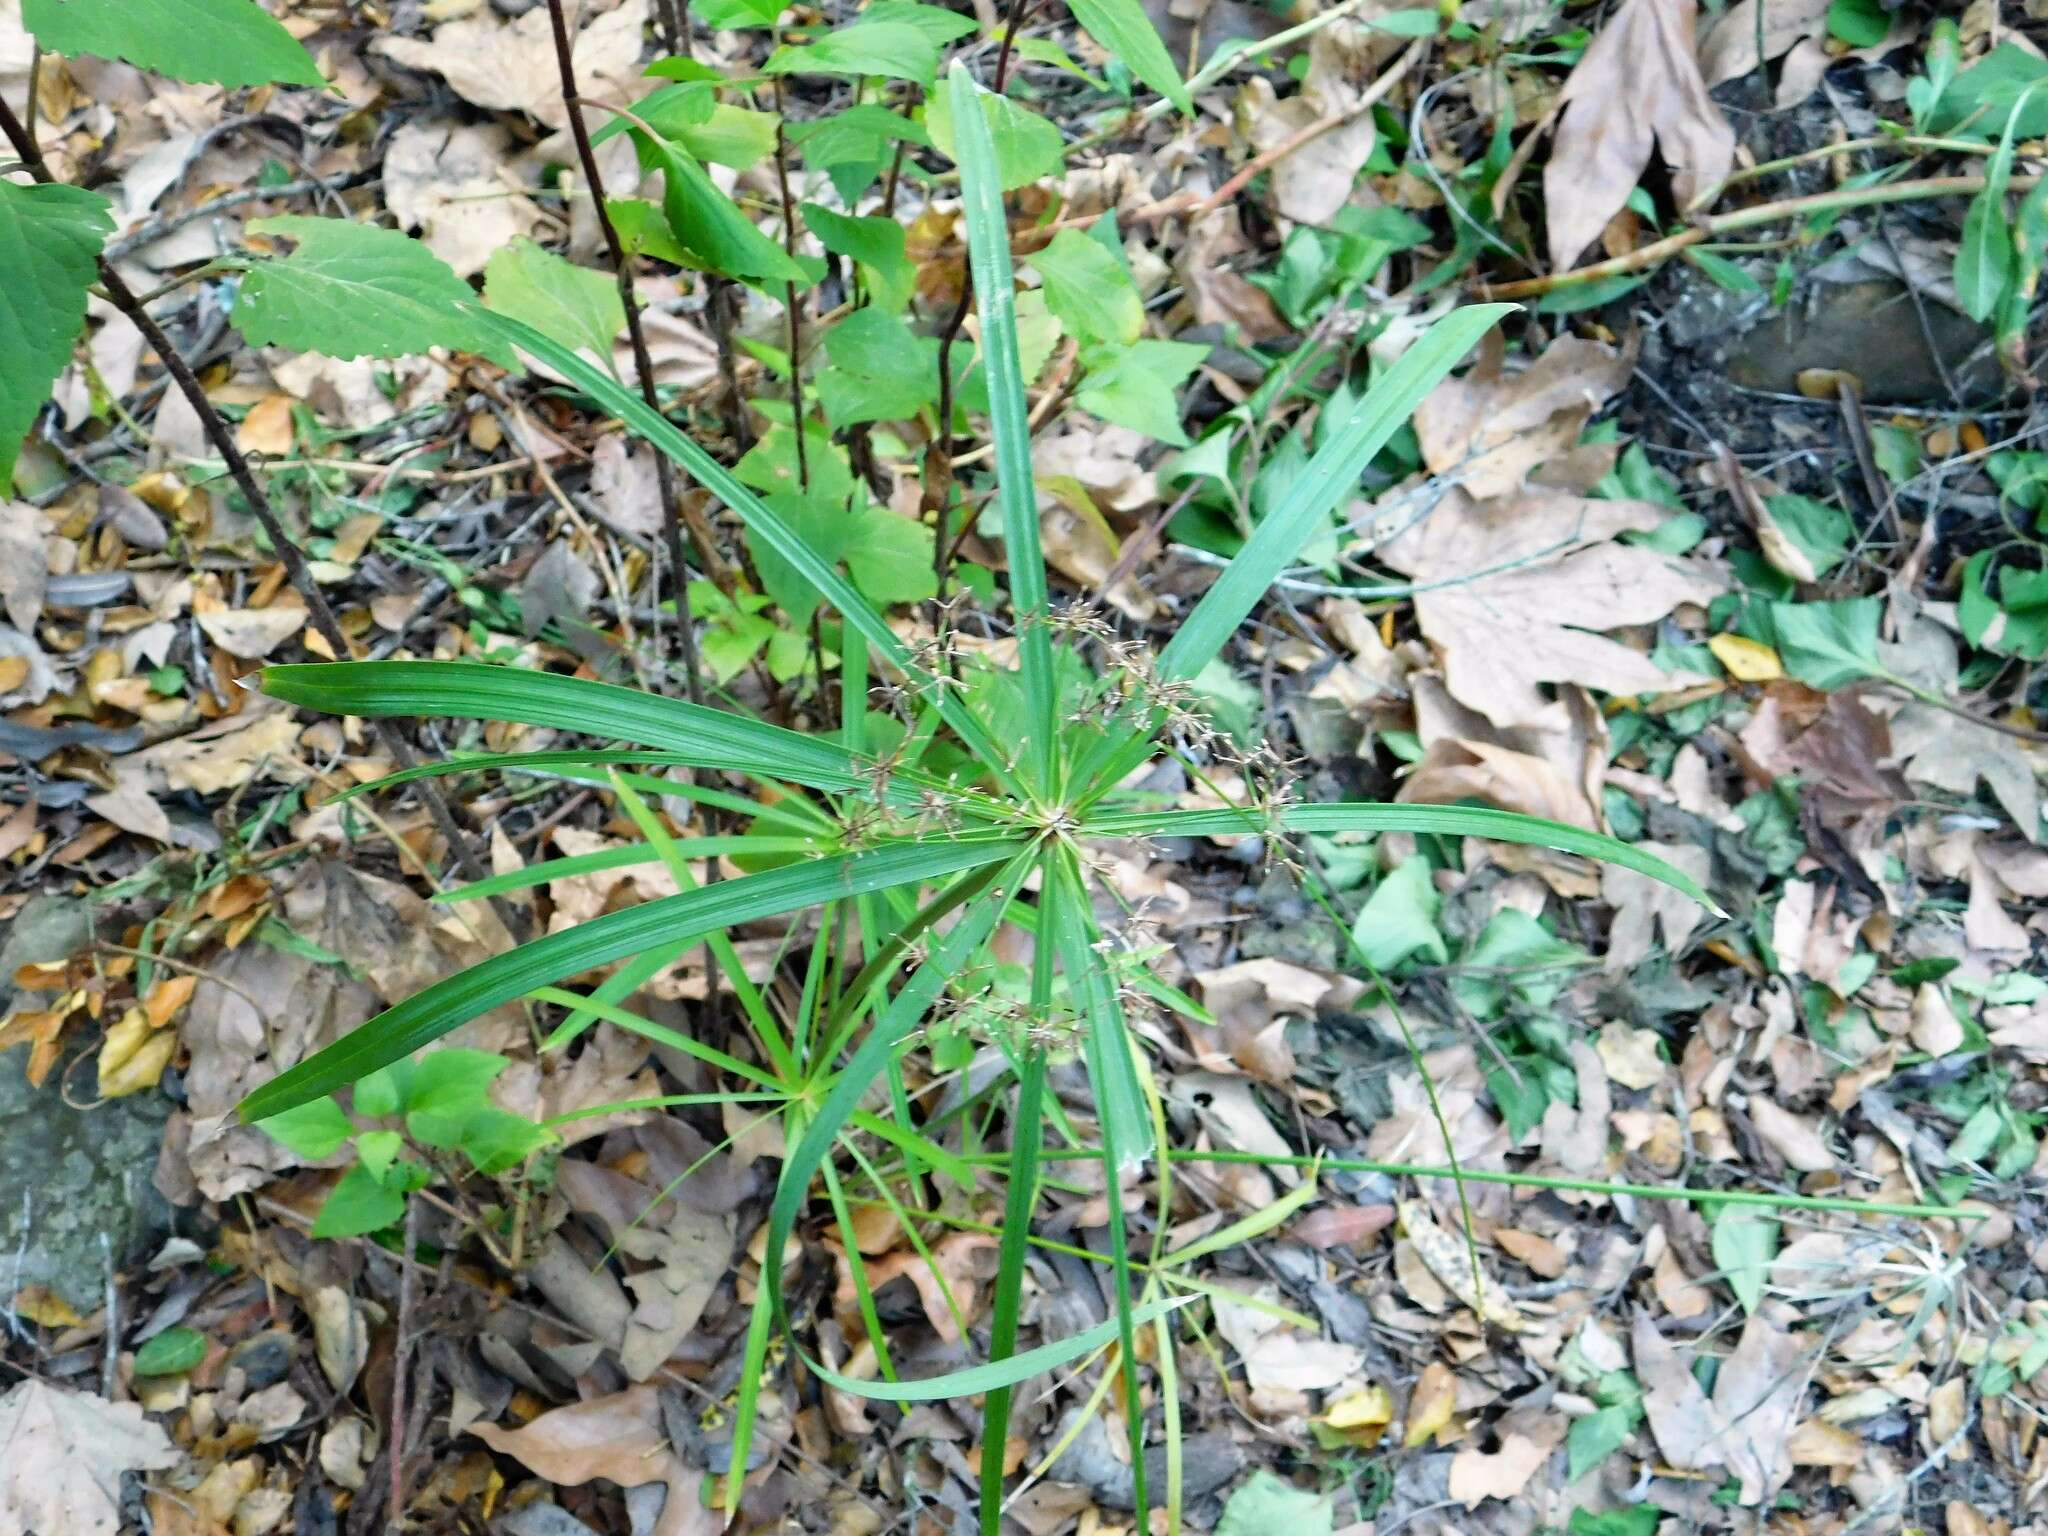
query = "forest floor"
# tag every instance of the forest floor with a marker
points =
(1729, 542)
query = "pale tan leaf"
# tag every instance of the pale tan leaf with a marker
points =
(1637, 86)
(65, 1454)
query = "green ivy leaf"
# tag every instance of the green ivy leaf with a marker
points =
(311, 1132)
(578, 307)
(171, 1353)
(1137, 386)
(1827, 645)
(880, 370)
(1398, 921)
(354, 290)
(877, 244)
(448, 1088)
(894, 50)
(1090, 290)
(1265, 1503)
(1598, 1435)
(495, 1139)
(1745, 1243)
(359, 1204)
(50, 239)
(378, 1151)
(890, 558)
(1126, 34)
(225, 42)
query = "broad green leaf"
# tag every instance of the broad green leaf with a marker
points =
(313, 1131)
(359, 1204)
(881, 370)
(894, 50)
(1398, 921)
(1026, 145)
(941, 26)
(1859, 23)
(1330, 478)
(379, 1150)
(1126, 33)
(225, 42)
(1266, 1504)
(691, 116)
(1986, 263)
(643, 230)
(708, 224)
(1820, 530)
(1439, 820)
(50, 239)
(695, 734)
(1625, 1520)
(168, 1353)
(446, 1089)
(354, 290)
(1090, 290)
(732, 15)
(1828, 645)
(877, 244)
(1744, 1244)
(995, 292)
(1598, 1435)
(577, 306)
(1137, 386)
(427, 1015)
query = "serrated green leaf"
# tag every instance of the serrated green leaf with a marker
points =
(314, 1130)
(354, 290)
(1126, 33)
(1137, 385)
(50, 240)
(880, 370)
(359, 1204)
(1090, 290)
(894, 50)
(1828, 645)
(879, 245)
(225, 42)
(577, 306)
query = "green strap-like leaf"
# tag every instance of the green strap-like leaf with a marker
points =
(1126, 33)
(225, 42)
(692, 733)
(759, 518)
(426, 1016)
(1442, 820)
(1322, 487)
(995, 291)
(625, 856)
(50, 239)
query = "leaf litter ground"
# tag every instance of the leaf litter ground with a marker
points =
(1780, 632)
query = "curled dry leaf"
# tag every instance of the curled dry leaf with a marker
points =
(1637, 87)
(1492, 430)
(1527, 1435)
(509, 66)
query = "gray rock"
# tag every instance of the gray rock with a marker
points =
(1208, 1461)
(76, 1197)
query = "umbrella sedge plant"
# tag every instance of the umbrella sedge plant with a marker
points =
(922, 866)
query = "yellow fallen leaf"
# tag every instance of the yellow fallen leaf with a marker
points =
(1431, 1404)
(1361, 1417)
(268, 427)
(1747, 660)
(134, 1055)
(43, 1307)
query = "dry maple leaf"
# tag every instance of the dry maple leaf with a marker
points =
(1515, 590)
(62, 1457)
(1637, 86)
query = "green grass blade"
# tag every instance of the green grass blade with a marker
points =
(1387, 816)
(793, 811)
(995, 293)
(631, 975)
(1321, 487)
(1027, 1128)
(709, 738)
(859, 613)
(426, 1016)
(1126, 1129)
(660, 1034)
(626, 856)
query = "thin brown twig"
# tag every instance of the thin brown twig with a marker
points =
(286, 548)
(1714, 226)
(408, 1285)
